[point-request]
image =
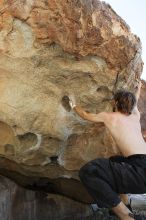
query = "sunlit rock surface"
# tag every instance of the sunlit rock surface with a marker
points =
(51, 49)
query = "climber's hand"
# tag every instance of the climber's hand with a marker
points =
(72, 101)
(138, 89)
(138, 84)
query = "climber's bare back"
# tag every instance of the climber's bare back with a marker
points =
(126, 130)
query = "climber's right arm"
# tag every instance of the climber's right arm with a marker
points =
(137, 95)
(100, 117)
(138, 90)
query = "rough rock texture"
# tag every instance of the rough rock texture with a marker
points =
(21, 204)
(142, 108)
(50, 49)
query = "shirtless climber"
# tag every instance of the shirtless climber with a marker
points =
(106, 178)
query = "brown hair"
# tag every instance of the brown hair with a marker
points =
(124, 101)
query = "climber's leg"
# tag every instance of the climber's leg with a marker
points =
(106, 178)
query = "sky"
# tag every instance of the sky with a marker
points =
(134, 13)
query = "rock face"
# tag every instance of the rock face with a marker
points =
(51, 49)
(17, 202)
(142, 106)
(22, 204)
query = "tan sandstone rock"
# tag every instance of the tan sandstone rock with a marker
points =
(50, 49)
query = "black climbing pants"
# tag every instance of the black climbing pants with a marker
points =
(105, 178)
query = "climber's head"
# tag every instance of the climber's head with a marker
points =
(124, 101)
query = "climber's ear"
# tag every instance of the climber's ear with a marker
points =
(112, 102)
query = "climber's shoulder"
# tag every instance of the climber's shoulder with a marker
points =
(106, 117)
(111, 117)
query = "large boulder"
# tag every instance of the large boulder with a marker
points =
(49, 50)
(21, 204)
